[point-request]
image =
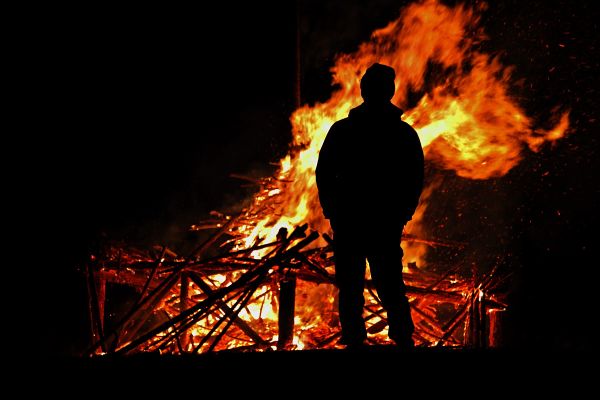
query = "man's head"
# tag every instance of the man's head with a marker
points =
(377, 84)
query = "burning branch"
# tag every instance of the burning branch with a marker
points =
(222, 298)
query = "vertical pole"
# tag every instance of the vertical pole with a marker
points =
(94, 307)
(93, 330)
(287, 304)
(297, 80)
(183, 292)
(476, 320)
(101, 291)
(475, 317)
(183, 297)
(481, 312)
(494, 317)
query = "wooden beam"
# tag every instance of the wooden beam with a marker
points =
(287, 309)
(243, 325)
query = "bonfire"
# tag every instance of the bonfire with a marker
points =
(263, 278)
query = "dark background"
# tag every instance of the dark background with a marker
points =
(142, 112)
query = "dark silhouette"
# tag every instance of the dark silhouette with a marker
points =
(370, 178)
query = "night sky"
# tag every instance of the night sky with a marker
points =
(145, 112)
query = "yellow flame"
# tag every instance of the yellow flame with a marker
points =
(468, 122)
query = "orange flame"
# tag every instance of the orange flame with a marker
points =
(467, 122)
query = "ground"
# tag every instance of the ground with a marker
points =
(375, 370)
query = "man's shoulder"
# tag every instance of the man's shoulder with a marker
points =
(406, 125)
(343, 124)
(407, 128)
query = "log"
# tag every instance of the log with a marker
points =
(200, 308)
(94, 310)
(443, 277)
(494, 318)
(127, 278)
(182, 341)
(268, 262)
(244, 251)
(140, 317)
(377, 326)
(243, 325)
(132, 312)
(329, 339)
(427, 317)
(101, 299)
(316, 268)
(183, 291)
(289, 254)
(304, 242)
(233, 312)
(286, 312)
(451, 325)
(156, 266)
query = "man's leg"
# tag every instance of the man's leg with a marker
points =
(385, 261)
(350, 278)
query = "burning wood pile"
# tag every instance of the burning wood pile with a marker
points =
(264, 278)
(276, 294)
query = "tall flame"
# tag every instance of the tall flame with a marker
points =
(466, 119)
(467, 122)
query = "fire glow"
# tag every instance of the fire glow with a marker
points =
(467, 122)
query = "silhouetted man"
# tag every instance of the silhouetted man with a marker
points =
(370, 178)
